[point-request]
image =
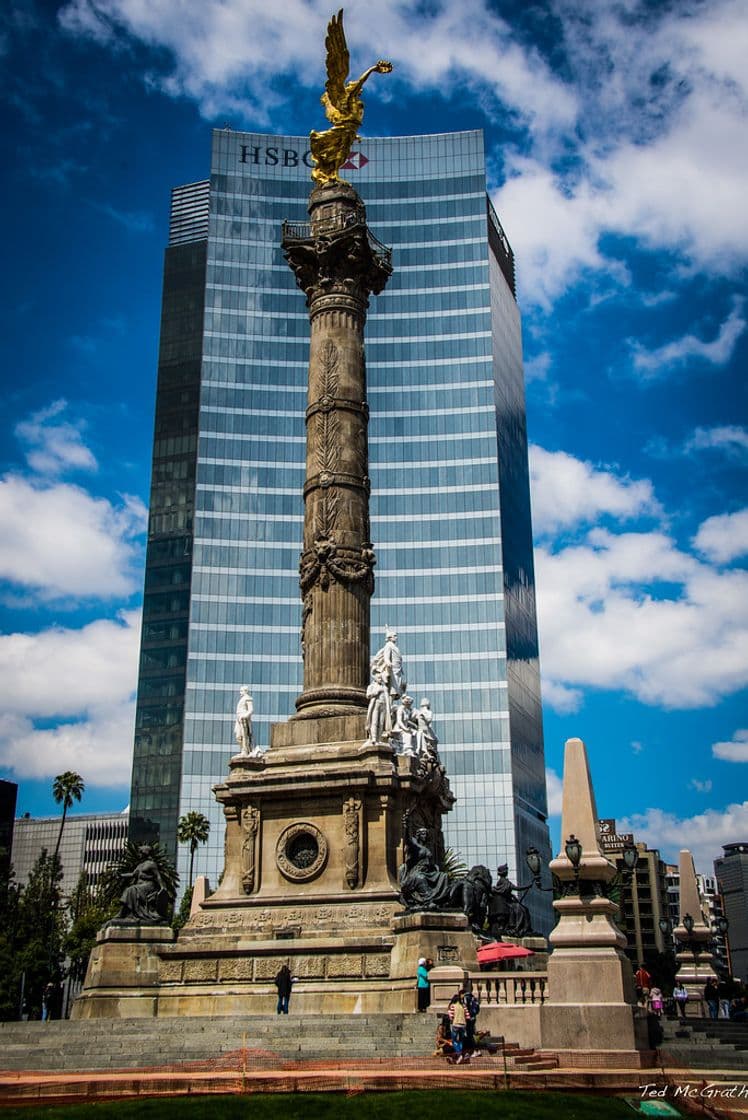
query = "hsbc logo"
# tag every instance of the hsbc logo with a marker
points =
(289, 157)
(355, 161)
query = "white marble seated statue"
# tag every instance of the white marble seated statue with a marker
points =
(426, 740)
(389, 662)
(406, 727)
(243, 732)
(379, 712)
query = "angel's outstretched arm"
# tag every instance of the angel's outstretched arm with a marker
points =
(380, 67)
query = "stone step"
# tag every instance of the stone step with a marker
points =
(138, 1043)
(699, 1057)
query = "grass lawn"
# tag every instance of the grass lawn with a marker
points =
(418, 1105)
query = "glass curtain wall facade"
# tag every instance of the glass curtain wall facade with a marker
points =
(450, 507)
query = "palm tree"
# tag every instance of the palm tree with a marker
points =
(193, 829)
(67, 788)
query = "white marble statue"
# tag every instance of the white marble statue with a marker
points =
(426, 740)
(406, 727)
(389, 662)
(379, 712)
(243, 727)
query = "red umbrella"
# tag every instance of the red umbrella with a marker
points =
(501, 951)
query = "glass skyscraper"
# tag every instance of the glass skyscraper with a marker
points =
(450, 505)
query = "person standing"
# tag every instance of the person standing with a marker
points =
(48, 997)
(643, 982)
(680, 995)
(725, 990)
(472, 1009)
(423, 985)
(458, 1017)
(284, 983)
(711, 998)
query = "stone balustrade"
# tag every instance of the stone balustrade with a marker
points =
(509, 988)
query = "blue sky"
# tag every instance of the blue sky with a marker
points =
(618, 154)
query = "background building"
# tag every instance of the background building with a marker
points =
(644, 897)
(8, 798)
(90, 841)
(450, 504)
(731, 871)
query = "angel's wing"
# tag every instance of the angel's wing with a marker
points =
(338, 61)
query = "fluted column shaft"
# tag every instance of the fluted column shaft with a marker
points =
(338, 268)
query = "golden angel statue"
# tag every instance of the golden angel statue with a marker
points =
(344, 108)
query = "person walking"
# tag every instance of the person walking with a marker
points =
(680, 995)
(711, 998)
(284, 983)
(423, 985)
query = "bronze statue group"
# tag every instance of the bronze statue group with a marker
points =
(492, 908)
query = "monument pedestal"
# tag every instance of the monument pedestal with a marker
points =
(313, 848)
(122, 979)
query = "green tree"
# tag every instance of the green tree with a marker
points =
(193, 829)
(41, 930)
(10, 974)
(66, 788)
(88, 911)
(183, 913)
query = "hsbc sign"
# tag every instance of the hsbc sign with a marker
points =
(355, 161)
(289, 157)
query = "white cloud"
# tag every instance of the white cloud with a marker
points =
(631, 610)
(561, 698)
(554, 230)
(54, 447)
(603, 624)
(734, 751)
(719, 351)
(230, 55)
(59, 541)
(730, 438)
(98, 748)
(567, 491)
(704, 834)
(724, 537)
(634, 133)
(701, 786)
(81, 681)
(555, 789)
(661, 103)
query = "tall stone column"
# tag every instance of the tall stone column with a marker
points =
(338, 264)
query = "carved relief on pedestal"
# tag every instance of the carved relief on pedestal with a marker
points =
(250, 824)
(352, 829)
(301, 852)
